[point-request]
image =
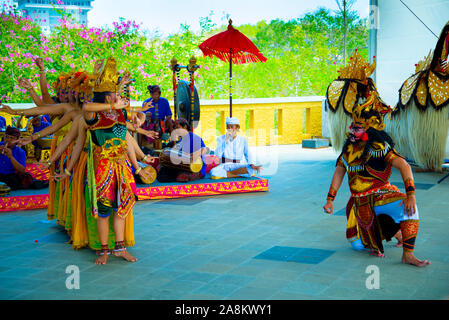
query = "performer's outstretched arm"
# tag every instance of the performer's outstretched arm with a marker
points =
(132, 157)
(77, 149)
(407, 176)
(50, 109)
(26, 84)
(337, 180)
(43, 81)
(69, 137)
(50, 129)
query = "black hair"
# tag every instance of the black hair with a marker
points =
(183, 123)
(100, 97)
(154, 88)
(373, 136)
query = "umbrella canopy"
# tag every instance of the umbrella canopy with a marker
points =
(234, 47)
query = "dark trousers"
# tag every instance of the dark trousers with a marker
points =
(166, 174)
(21, 180)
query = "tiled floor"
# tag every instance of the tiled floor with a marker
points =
(274, 245)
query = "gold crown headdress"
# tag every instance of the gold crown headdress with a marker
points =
(82, 82)
(357, 68)
(62, 81)
(107, 79)
(370, 113)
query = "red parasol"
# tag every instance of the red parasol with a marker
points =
(234, 47)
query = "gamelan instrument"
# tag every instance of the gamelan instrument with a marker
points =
(176, 159)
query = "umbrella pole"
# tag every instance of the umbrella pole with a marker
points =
(230, 86)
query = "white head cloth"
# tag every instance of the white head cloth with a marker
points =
(232, 120)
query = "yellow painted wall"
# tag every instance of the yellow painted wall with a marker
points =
(262, 127)
(261, 130)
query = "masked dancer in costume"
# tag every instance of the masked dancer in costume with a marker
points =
(376, 209)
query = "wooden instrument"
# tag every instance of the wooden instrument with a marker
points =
(152, 175)
(4, 189)
(173, 158)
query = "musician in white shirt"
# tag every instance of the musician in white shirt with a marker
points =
(234, 154)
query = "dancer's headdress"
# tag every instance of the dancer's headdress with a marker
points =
(370, 113)
(357, 69)
(62, 81)
(107, 79)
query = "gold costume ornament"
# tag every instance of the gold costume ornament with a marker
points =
(61, 82)
(419, 123)
(82, 83)
(107, 80)
(370, 114)
(351, 88)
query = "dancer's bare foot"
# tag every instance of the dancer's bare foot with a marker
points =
(409, 258)
(102, 259)
(125, 255)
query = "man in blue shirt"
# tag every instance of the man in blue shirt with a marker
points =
(163, 108)
(2, 123)
(13, 161)
(39, 123)
(190, 144)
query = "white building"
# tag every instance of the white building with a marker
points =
(45, 12)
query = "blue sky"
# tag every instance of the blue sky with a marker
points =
(166, 16)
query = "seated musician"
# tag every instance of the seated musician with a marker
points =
(38, 123)
(234, 153)
(190, 145)
(164, 114)
(147, 143)
(13, 163)
(2, 123)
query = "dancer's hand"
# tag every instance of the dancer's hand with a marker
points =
(329, 207)
(150, 134)
(149, 159)
(121, 103)
(24, 141)
(98, 65)
(25, 83)
(409, 205)
(7, 109)
(147, 105)
(126, 79)
(58, 177)
(144, 174)
(39, 63)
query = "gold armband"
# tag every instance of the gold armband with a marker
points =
(138, 170)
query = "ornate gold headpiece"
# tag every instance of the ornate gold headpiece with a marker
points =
(107, 79)
(357, 68)
(62, 81)
(370, 113)
(82, 82)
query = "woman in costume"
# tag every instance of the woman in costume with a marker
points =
(376, 209)
(111, 182)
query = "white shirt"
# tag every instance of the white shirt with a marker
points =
(236, 149)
